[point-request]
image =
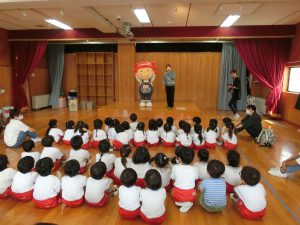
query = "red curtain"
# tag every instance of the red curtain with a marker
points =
(24, 58)
(266, 59)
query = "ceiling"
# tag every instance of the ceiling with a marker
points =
(102, 15)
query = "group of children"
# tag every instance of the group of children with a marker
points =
(143, 180)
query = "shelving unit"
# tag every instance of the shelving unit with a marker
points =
(96, 77)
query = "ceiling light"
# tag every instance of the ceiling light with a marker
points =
(230, 20)
(142, 15)
(59, 24)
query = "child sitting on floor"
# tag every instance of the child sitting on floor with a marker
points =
(198, 137)
(152, 135)
(153, 210)
(107, 121)
(185, 138)
(139, 136)
(28, 147)
(129, 132)
(180, 125)
(82, 129)
(55, 132)
(197, 122)
(121, 138)
(72, 184)
(121, 163)
(162, 166)
(203, 156)
(98, 133)
(134, 122)
(47, 187)
(170, 121)
(112, 133)
(225, 121)
(106, 157)
(69, 132)
(229, 138)
(168, 136)
(48, 151)
(211, 134)
(160, 126)
(6, 177)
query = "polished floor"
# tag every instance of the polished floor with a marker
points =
(283, 195)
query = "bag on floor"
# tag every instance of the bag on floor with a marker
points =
(250, 100)
(266, 138)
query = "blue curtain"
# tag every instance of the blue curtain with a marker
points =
(231, 60)
(55, 56)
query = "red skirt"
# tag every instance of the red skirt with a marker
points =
(138, 144)
(197, 147)
(83, 169)
(66, 142)
(56, 165)
(154, 221)
(110, 173)
(95, 144)
(129, 215)
(169, 186)
(180, 195)
(249, 214)
(86, 145)
(229, 188)
(229, 145)
(5, 194)
(46, 204)
(101, 203)
(74, 203)
(117, 145)
(24, 197)
(140, 182)
(117, 180)
(210, 145)
(168, 144)
(154, 144)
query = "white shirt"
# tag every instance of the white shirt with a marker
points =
(68, 135)
(106, 128)
(174, 129)
(12, 130)
(184, 176)
(254, 197)
(73, 187)
(85, 137)
(129, 134)
(133, 125)
(108, 159)
(160, 130)
(202, 170)
(119, 168)
(168, 137)
(141, 169)
(122, 137)
(56, 133)
(6, 179)
(179, 131)
(139, 136)
(232, 175)
(153, 202)
(95, 189)
(196, 140)
(232, 140)
(46, 187)
(111, 134)
(152, 136)
(81, 155)
(99, 135)
(185, 140)
(129, 197)
(34, 155)
(53, 153)
(165, 174)
(211, 136)
(23, 182)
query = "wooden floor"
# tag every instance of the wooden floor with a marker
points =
(283, 196)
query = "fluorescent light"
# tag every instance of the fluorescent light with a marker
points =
(142, 15)
(59, 24)
(230, 20)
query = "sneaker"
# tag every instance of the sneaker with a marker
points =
(277, 173)
(185, 209)
(37, 139)
(233, 198)
(236, 116)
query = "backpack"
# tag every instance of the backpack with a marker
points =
(250, 100)
(266, 138)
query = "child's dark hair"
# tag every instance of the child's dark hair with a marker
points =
(44, 166)
(160, 159)
(153, 179)
(170, 121)
(14, 113)
(233, 158)
(152, 125)
(252, 107)
(48, 141)
(72, 168)
(167, 127)
(230, 128)
(98, 124)
(98, 170)
(213, 123)
(181, 124)
(108, 121)
(3, 162)
(103, 147)
(52, 124)
(215, 168)
(186, 128)
(79, 127)
(141, 126)
(70, 124)
(197, 120)
(28, 145)
(141, 155)
(178, 150)
(125, 125)
(114, 123)
(25, 164)
(128, 177)
(76, 142)
(250, 175)
(203, 155)
(133, 117)
(226, 120)
(198, 130)
(159, 122)
(186, 155)
(119, 128)
(125, 152)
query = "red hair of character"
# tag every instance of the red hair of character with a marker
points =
(142, 65)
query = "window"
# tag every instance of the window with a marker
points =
(294, 80)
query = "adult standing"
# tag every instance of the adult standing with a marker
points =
(169, 85)
(235, 90)
(16, 131)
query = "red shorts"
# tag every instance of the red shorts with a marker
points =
(56, 165)
(180, 195)
(83, 169)
(229, 188)
(74, 203)
(168, 144)
(153, 145)
(169, 186)
(229, 145)
(24, 197)
(197, 147)
(86, 145)
(5, 194)
(138, 144)
(210, 145)
(140, 182)
(95, 144)
(117, 180)
(117, 145)
(46, 204)
(249, 214)
(67, 142)
(154, 221)
(110, 173)
(129, 215)
(101, 203)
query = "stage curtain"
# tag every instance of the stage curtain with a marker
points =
(55, 56)
(231, 60)
(266, 59)
(24, 58)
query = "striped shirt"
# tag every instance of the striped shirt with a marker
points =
(214, 190)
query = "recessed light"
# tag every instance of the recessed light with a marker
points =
(231, 19)
(142, 15)
(59, 24)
